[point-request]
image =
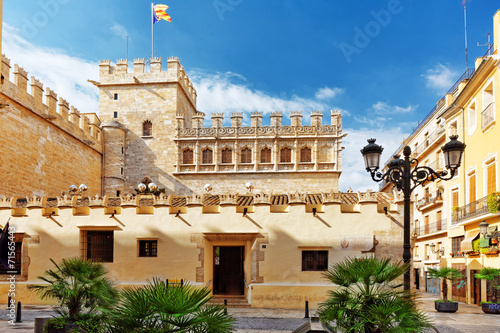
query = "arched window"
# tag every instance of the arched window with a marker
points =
(207, 156)
(305, 154)
(286, 155)
(187, 156)
(265, 155)
(147, 128)
(227, 155)
(246, 155)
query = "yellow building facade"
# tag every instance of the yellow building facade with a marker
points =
(447, 214)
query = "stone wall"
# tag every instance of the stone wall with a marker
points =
(46, 145)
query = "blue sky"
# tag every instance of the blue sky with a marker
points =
(383, 64)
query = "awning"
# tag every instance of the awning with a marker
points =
(466, 245)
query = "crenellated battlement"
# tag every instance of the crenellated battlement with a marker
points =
(146, 203)
(110, 75)
(256, 129)
(59, 112)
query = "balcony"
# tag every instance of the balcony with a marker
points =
(430, 200)
(430, 228)
(429, 140)
(474, 209)
(488, 116)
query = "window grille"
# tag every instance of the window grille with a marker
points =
(147, 128)
(286, 155)
(187, 156)
(207, 156)
(305, 154)
(456, 246)
(314, 260)
(17, 262)
(227, 155)
(265, 155)
(246, 155)
(148, 248)
(97, 245)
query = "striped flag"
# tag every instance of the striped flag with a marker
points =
(159, 13)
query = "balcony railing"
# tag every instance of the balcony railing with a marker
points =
(430, 199)
(429, 140)
(488, 115)
(431, 227)
(476, 208)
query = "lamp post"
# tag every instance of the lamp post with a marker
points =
(406, 179)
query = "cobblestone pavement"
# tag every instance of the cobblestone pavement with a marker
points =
(468, 319)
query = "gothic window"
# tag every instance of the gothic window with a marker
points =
(227, 155)
(187, 156)
(207, 156)
(305, 154)
(265, 155)
(246, 155)
(286, 155)
(147, 128)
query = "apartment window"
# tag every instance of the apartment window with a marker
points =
(265, 155)
(426, 252)
(187, 156)
(115, 97)
(472, 193)
(314, 260)
(456, 246)
(207, 156)
(491, 178)
(115, 114)
(472, 118)
(97, 245)
(16, 268)
(148, 248)
(415, 252)
(246, 155)
(227, 155)
(305, 154)
(147, 128)
(426, 224)
(286, 155)
(488, 114)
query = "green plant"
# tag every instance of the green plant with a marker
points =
(484, 250)
(492, 274)
(90, 323)
(493, 202)
(475, 245)
(368, 298)
(80, 286)
(157, 307)
(444, 273)
(454, 209)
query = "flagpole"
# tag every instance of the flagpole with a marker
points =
(152, 31)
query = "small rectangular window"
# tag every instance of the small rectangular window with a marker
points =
(314, 260)
(121, 171)
(15, 269)
(115, 97)
(117, 193)
(98, 245)
(122, 150)
(148, 248)
(115, 114)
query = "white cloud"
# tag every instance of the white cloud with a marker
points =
(440, 78)
(384, 108)
(230, 92)
(354, 175)
(64, 74)
(119, 30)
(328, 93)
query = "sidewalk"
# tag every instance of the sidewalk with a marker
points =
(468, 319)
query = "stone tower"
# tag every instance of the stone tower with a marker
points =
(139, 110)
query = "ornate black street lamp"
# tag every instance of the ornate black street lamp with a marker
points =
(401, 174)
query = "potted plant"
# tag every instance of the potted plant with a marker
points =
(475, 248)
(83, 292)
(445, 273)
(491, 274)
(493, 201)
